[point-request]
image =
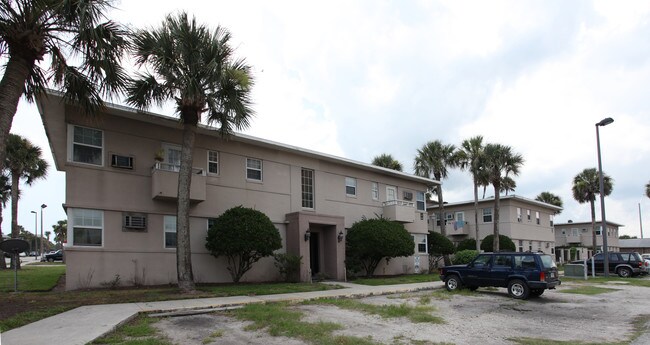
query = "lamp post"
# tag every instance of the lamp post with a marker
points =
(35, 231)
(603, 227)
(42, 207)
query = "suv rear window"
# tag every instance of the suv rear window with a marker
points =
(547, 261)
(525, 262)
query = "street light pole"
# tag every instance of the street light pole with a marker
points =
(603, 227)
(35, 230)
(42, 207)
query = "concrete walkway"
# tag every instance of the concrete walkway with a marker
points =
(87, 323)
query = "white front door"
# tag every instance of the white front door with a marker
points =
(391, 193)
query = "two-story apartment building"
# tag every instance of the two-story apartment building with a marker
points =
(529, 223)
(574, 240)
(121, 187)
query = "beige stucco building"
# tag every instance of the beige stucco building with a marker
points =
(529, 223)
(575, 239)
(121, 207)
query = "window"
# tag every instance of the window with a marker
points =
(460, 219)
(253, 169)
(598, 232)
(521, 245)
(525, 262)
(213, 162)
(375, 191)
(487, 215)
(422, 245)
(537, 217)
(420, 203)
(550, 219)
(528, 214)
(87, 227)
(211, 222)
(350, 186)
(169, 224)
(307, 188)
(574, 232)
(530, 246)
(172, 158)
(86, 145)
(481, 261)
(502, 261)
(519, 214)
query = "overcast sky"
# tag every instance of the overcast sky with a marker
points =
(357, 79)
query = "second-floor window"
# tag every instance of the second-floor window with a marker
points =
(213, 162)
(350, 186)
(172, 158)
(528, 215)
(550, 219)
(307, 181)
(253, 169)
(487, 215)
(87, 145)
(519, 214)
(375, 191)
(420, 202)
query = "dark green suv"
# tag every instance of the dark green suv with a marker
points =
(525, 274)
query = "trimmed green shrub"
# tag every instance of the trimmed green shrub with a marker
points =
(466, 244)
(505, 243)
(439, 244)
(371, 240)
(465, 256)
(243, 236)
(289, 266)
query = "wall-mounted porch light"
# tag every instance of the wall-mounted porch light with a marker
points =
(307, 235)
(340, 236)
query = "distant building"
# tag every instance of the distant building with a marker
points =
(574, 240)
(528, 222)
(639, 245)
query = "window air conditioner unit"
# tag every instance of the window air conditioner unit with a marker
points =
(122, 162)
(408, 196)
(135, 222)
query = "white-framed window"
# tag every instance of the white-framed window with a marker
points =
(210, 223)
(519, 214)
(487, 215)
(253, 169)
(460, 218)
(172, 157)
(528, 215)
(575, 232)
(521, 246)
(85, 145)
(422, 245)
(537, 217)
(350, 186)
(375, 191)
(598, 232)
(87, 227)
(449, 217)
(307, 182)
(420, 201)
(550, 219)
(213, 162)
(169, 227)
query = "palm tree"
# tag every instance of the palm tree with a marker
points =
(194, 67)
(34, 31)
(551, 199)
(508, 185)
(47, 235)
(586, 186)
(5, 194)
(647, 190)
(500, 161)
(434, 159)
(387, 161)
(469, 158)
(23, 161)
(60, 231)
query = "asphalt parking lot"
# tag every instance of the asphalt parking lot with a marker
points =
(487, 316)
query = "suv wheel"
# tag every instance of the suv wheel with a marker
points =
(624, 272)
(453, 283)
(518, 289)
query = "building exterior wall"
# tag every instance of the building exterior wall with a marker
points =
(527, 234)
(580, 237)
(140, 257)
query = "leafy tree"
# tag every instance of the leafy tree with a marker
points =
(626, 237)
(586, 185)
(34, 33)
(505, 243)
(60, 231)
(433, 160)
(243, 236)
(550, 199)
(469, 158)
(439, 246)
(24, 162)
(387, 161)
(468, 243)
(466, 256)
(195, 67)
(370, 240)
(289, 266)
(500, 161)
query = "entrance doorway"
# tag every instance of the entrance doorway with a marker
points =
(314, 253)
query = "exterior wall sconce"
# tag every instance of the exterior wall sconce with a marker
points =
(307, 235)
(340, 236)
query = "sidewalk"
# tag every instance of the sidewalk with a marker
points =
(87, 323)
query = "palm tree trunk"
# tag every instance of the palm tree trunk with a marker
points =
(478, 243)
(497, 197)
(443, 221)
(11, 89)
(3, 263)
(593, 226)
(183, 250)
(15, 179)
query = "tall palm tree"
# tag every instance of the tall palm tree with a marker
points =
(508, 185)
(434, 159)
(469, 158)
(387, 161)
(550, 199)
(23, 162)
(586, 186)
(36, 32)
(5, 194)
(194, 67)
(500, 161)
(60, 231)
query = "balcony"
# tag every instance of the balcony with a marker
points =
(164, 183)
(457, 228)
(399, 210)
(573, 239)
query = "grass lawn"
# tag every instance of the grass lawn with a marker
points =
(31, 278)
(405, 279)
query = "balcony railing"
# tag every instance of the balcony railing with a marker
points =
(399, 210)
(164, 183)
(398, 203)
(175, 168)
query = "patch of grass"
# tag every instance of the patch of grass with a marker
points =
(588, 290)
(418, 314)
(138, 331)
(424, 300)
(212, 337)
(405, 279)
(446, 295)
(36, 278)
(30, 316)
(278, 320)
(264, 289)
(55, 263)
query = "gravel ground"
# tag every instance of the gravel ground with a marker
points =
(485, 317)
